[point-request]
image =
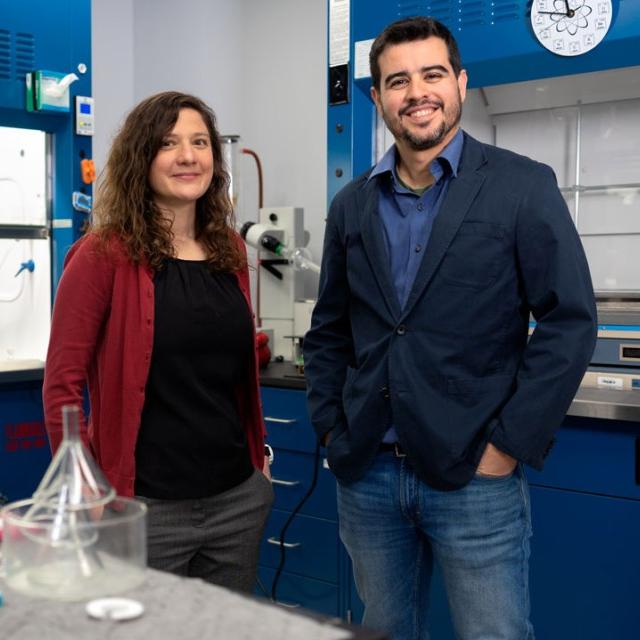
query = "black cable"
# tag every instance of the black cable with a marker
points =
(314, 481)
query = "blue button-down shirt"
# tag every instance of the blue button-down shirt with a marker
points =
(407, 218)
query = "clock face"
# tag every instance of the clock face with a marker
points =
(570, 27)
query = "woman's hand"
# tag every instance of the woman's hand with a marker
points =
(265, 468)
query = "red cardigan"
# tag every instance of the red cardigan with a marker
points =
(102, 335)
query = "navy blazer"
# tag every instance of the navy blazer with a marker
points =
(453, 370)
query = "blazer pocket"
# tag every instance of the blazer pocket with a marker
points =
(475, 256)
(469, 392)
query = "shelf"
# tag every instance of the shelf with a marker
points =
(23, 232)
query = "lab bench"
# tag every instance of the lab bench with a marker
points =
(585, 504)
(174, 607)
(585, 557)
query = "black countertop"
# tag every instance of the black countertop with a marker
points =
(282, 374)
(21, 371)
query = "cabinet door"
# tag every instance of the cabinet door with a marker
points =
(585, 566)
(24, 447)
(292, 474)
(593, 456)
(297, 591)
(311, 545)
(286, 419)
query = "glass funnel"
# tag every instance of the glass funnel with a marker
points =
(73, 480)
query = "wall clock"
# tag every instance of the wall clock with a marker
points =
(570, 27)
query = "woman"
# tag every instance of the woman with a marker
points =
(153, 313)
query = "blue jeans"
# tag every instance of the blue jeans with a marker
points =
(395, 526)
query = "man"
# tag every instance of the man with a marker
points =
(422, 383)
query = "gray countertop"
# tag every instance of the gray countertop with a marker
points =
(175, 608)
(606, 404)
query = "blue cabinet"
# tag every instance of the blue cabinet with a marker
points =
(585, 570)
(585, 556)
(315, 572)
(24, 446)
(585, 562)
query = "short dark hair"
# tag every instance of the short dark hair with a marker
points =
(409, 30)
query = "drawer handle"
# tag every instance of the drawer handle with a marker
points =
(280, 420)
(285, 483)
(286, 545)
(288, 605)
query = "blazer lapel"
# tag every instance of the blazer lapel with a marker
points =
(374, 245)
(456, 205)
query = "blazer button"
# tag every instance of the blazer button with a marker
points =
(384, 392)
(401, 330)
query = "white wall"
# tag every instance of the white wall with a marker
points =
(112, 69)
(195, 46)
(260, 65)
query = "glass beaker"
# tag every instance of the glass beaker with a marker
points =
(74, 539)
(86, 553)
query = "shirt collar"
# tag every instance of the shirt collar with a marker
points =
(449, 156)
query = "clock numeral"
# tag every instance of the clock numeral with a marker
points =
(558, 44)
(603, 7)
(542, 5)
(574, 47)
(601, 23)
(589, 40)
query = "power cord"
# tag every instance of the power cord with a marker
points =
(283, 532)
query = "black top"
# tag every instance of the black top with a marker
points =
(191, 442)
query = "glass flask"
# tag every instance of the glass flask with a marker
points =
(230, 156)
(75, 539)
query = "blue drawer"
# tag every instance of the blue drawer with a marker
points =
(292, 474)
(594, 456)
(296, 591)
(312, 546)
(287, 420)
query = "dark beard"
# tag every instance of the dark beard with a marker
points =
(422, 144)
(433, 139)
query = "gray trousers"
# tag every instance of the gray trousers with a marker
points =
(216, 538)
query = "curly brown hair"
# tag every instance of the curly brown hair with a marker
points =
(125, 207)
